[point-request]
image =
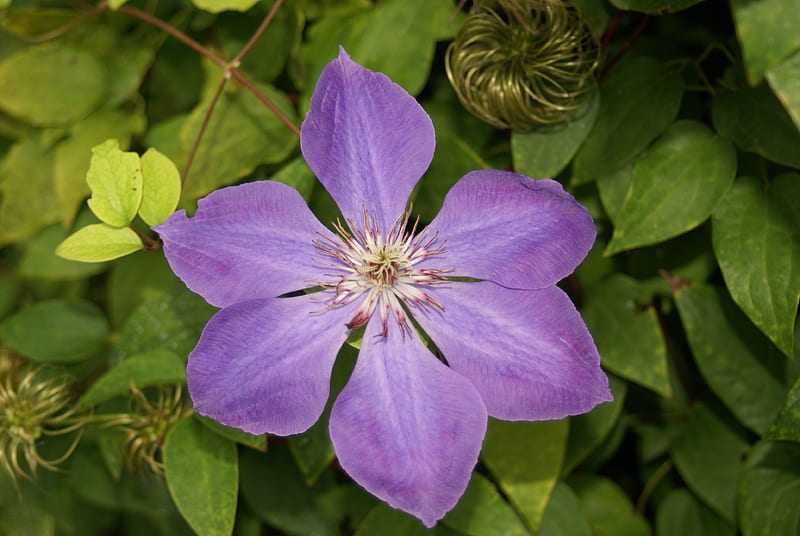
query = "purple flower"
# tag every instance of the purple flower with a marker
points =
(407, 426)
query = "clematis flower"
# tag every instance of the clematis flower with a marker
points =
(479, 280)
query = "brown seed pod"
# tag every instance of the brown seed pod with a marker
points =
(523, 63)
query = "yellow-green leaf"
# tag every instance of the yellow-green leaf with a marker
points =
(99, 242)
(161, 187)
(115, 178)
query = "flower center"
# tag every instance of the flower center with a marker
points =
(380, 270)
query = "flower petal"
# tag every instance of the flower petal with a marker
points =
(264, 365)
(527, 352)
(406, 427)
(367, 140)
(248, 241)
(510, 229)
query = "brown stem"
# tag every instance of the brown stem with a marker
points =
(258, 33)
(230, 68)
(628, 44)
(150, 244)
(202, 130)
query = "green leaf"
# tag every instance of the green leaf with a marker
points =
(217, 6)
(563, 515)
(787, 424)
(769, 491)
(51, 84)
(73, 155)
(141, 370)
(756, 121)
(56, 331)
(708, 456)
(629, 340)
(164, 319)
(637, 102)
(784, 79)
(273, 488)
(241, 134)
(674, 187)
(546, 151)
(115, 178)
(405, 58)
(680, 513)
(768, 31)
(258, 442)
(525, 459)
(757, 242)
(99, 242)
(299, 176)
(607, 508)
(654, 7)
(203, 477)
(387, 522)
(588, 431)
(161, 187)
(482, 510)
(741, 366)
(40, 261)
(27, 204)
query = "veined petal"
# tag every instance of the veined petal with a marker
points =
(527, 352)
(511, 229)
(406, 427)
(264, 365)
(367, 140)
(248, 241)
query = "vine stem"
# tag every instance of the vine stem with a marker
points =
(628, 44)
(230, 68)
(150, 244)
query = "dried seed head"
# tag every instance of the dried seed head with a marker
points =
(522, 63)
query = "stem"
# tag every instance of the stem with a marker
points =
(150, 244)
(651, 484)
(628, 44)
(258, 33)
(202, 130)
(230, 68)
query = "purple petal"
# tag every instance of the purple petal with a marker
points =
(510, 229)
(406, 427)
(527, 352)
(367, 140)
(264, 365)
(244, 242)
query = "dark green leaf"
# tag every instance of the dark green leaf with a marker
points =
(563, 515)
(56, 331)
(769, 490)
(680, 513)
(740, 365)
(607, 508)
(637, 102)
(787, 424)
(40, 261)
(387, 522)
(525, 459)
(674, 187)
(482, 510)
(768, 30)
(629, 339)
(234, 434)
(654, 7)
(757, 242)
(588, 431)
(274, 489)
(141, 370)
(708, 456)
(755, 120)
(202, 475)
(784, 79)
(546, 151)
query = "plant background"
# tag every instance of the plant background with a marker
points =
(688, 158)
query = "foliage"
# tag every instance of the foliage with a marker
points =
(688, 157)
